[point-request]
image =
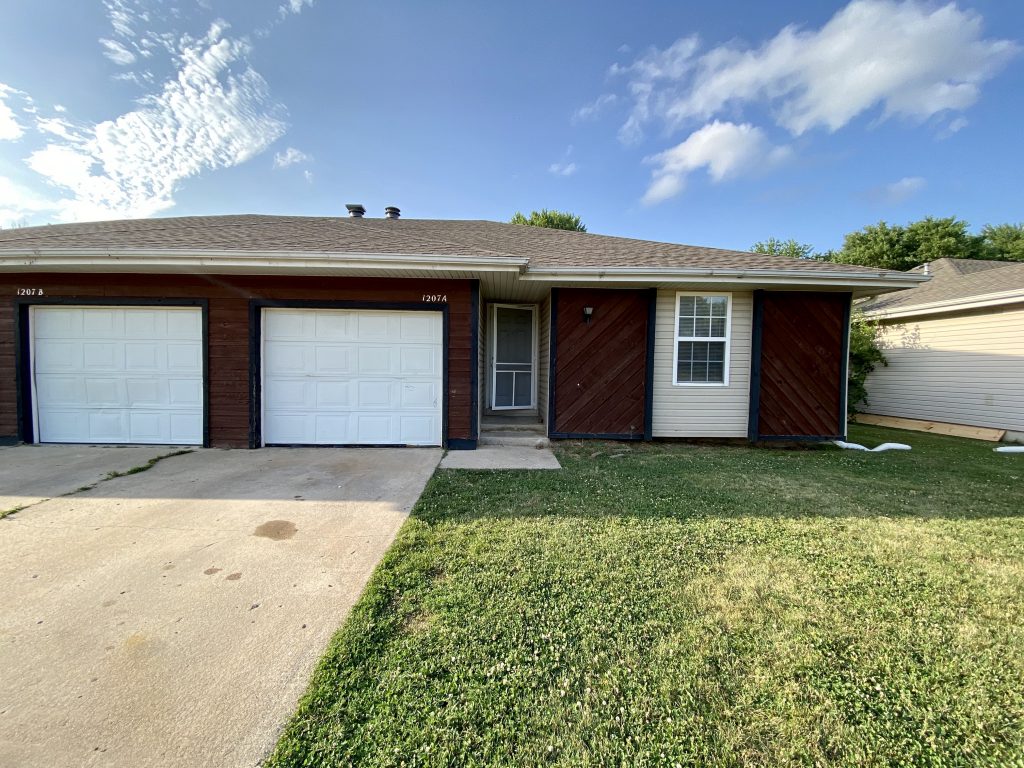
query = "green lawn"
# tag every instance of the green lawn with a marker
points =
(690, 605)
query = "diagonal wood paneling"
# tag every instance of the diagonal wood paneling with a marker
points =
(802, 365)
(600, 373)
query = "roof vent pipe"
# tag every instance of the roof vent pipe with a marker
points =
(355, 210)
(391, 212)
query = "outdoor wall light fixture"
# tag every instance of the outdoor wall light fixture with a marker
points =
(588, 312)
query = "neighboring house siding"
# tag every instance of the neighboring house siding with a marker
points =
(228, 297)
(543, 357)
(966, 368)
(688, 411)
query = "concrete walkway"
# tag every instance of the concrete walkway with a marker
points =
(501, 457)
(173, 617)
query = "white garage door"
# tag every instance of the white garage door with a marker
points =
(118, 375)
(351, 377)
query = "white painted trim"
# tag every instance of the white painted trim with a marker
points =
(160, 259)
(32, 370)
(676, 340)
(493, 347)
(263, 376)
(950, 305)
(754, 277)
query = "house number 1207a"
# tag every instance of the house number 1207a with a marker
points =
(30, 291)
(435, 297)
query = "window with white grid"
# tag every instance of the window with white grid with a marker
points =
(702, 339)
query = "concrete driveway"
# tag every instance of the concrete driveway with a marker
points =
(173, 617)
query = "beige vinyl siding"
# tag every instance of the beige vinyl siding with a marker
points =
(687, 411)
(543, 356)
(966, 368)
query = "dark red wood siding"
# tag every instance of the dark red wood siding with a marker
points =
(228, 298)
(802, 366)
(600, 368)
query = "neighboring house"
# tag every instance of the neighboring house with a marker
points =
(955, 347)
(279, 330)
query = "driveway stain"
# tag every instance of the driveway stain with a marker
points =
(276, 530)
(211, 571)
(234, 576)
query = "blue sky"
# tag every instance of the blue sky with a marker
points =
(707, 123)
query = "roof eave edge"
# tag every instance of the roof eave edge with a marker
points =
(950, 305)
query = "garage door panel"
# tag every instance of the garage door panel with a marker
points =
(333, 429)
(118, 375)
(374, 360)
(101, 322)
(57, 356)
(105, 393)
(102, 356)
(332, 358)
(360, 380)
(61, 390)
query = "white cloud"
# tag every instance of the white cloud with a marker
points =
(909, 59)
(19, 205)
(294, 6)
(725, 149)
(291, 156)
(10, 128)
(899, 191)
(955, 126)
(214, 112)
(116, 52)
(59, 108)
(308, 176)
(562, 169)
(595, 108)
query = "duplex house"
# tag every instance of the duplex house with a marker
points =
(955, 347)
(246, 331)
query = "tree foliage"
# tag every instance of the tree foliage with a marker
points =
(1004, 242)
(550, 220)
(791, 248)
(891, 246)
(865, 356)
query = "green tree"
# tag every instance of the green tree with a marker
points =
(878, 245)
(865, 356)
(1003, 242)
(791, 248)
(943, 238)
(894, 247)
(550, 220)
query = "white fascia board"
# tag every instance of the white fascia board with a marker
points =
(210, 261)
(880, 280)
(949, 305)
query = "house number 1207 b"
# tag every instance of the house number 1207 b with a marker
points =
(435, 297)
(30, 292)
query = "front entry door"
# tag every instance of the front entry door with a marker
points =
(512, 357)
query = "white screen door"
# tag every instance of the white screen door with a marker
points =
(512, 385)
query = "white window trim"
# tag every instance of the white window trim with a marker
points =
(676, 338)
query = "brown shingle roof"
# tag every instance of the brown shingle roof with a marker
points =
(953, 279)
(545, 248)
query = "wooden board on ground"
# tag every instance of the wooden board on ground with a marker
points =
(935, 427)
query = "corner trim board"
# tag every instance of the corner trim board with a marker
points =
(844, 369)
(652, 314)
(756, 336)
(553, 364)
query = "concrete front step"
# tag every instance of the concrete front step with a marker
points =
(533, 427)
(513, 437)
